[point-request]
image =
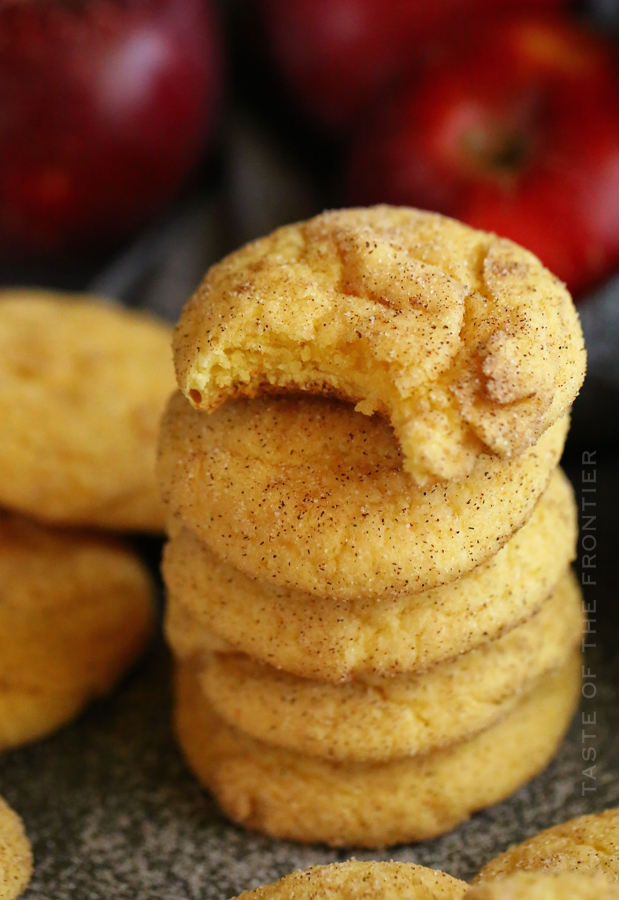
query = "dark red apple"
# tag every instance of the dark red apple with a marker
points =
(518, 133)
(337, 56)
(106, 106)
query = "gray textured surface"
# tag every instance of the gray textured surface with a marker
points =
(113, 812)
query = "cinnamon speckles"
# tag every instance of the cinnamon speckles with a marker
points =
(463, 340)
(586, 845)
(338, 517)
(215, 607)
(547, 886)
(378, 718)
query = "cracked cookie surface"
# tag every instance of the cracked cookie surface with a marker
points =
(462, 339)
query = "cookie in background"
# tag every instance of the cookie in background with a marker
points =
(83, 384)
(586, 845)
(463, 340)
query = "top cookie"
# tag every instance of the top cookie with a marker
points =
(588, 845)
(463, 339)
(355, 880)
(82, 387)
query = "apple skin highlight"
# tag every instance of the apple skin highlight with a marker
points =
(108, 104)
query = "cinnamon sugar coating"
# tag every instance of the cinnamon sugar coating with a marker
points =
(375, 718)
(15, 854)
(545, 886)
(463, 340)
(83, 384)
(306, 493)
(354, 880)
(588, 844)
(76, 610)
(291, 796)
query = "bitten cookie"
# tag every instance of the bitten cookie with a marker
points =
(355, 880)
(302, 798)
(388, 718)
(333, 640)
(15, 854)
(588, 844)
(82, 388)
(462, 339)
(543, 886)
(309, 494)
(75, 611)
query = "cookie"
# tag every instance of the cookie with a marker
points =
(355, 880)
(543, 886)
(309, 494)
(332, 640)
(588, 844)
(82, 388)
(462, 339)
(388, 718)
(75, 611)
(302, 798)
(15, 854)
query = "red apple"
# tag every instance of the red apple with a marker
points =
(339, 55)
(518, 133)
(106, 106)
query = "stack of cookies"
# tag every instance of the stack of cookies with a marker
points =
(371, 606)
(82, 387)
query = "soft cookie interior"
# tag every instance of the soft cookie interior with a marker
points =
(462, 339)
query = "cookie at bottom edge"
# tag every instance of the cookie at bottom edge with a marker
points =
(547, 886)
(356, 880)
(15, 854)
